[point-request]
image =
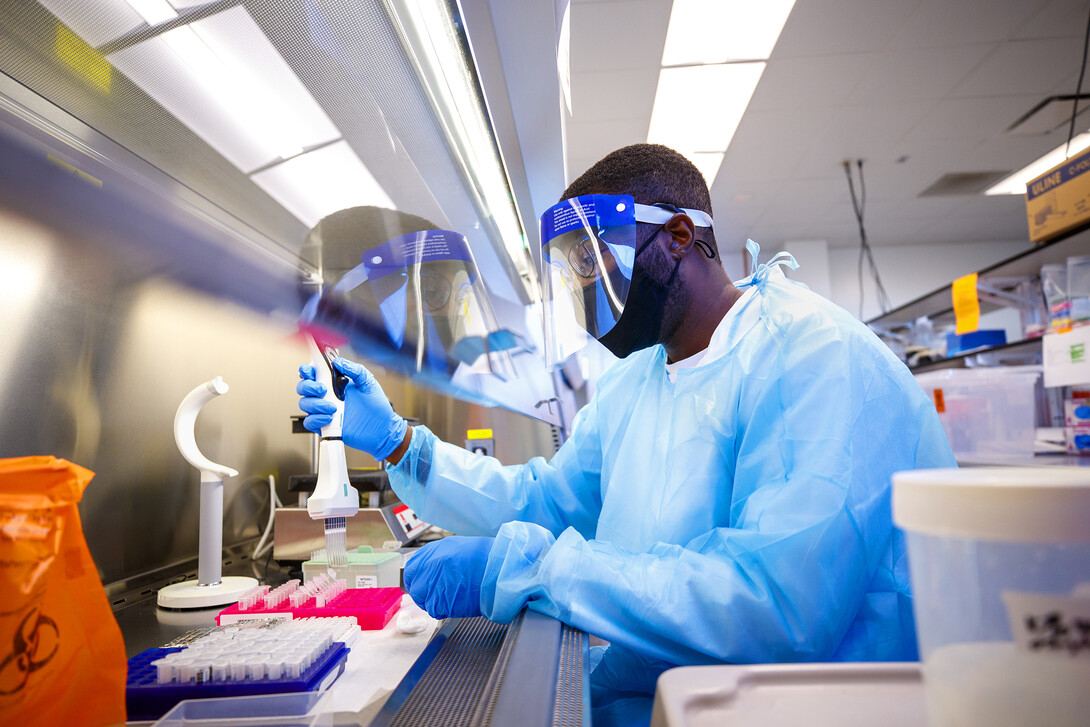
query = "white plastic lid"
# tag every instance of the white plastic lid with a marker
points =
(1015, 504)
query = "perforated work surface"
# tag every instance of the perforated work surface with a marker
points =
(568, 709)
(457, 679)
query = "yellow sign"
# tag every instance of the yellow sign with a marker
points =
(479, 434)
(966, 304)
(82, 58)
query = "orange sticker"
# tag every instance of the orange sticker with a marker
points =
(966, 304)
(940, 405)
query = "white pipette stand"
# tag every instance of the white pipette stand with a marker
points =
(211, 588)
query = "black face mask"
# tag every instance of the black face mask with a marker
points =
(638, 326)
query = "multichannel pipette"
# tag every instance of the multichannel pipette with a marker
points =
(334, 499)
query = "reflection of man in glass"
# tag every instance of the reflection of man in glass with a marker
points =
(404, 310)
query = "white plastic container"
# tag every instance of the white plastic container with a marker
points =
(988, 411)
(999, 560)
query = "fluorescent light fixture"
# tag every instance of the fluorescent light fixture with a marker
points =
(222, 78)
(708, 162)
(320, 182)
(1016, 183)
(153, 11)
(96, 23)
(717, 31)
(698, 108)
(451, 84)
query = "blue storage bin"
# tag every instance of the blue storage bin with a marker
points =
(956, 344)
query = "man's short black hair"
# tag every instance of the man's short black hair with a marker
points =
(651, 173)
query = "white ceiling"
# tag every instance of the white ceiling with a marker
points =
(915, 88)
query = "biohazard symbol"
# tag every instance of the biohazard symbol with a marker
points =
(36, 642)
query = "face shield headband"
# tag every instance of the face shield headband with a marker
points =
(411, 303)
(589, 249)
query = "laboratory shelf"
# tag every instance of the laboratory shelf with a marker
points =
(938, 304)
(1011, 351)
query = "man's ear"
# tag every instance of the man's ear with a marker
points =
(682, 233)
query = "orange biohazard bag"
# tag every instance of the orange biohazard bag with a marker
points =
(62, 658)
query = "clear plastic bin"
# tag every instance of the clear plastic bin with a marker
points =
(1054, 286)
(999, 560)
(1078, 289)
(985, 411)
(301, 709)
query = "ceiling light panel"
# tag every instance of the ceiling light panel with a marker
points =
(1016, 183)
(698, 108)
(153, 12)
(222, 78)
(97, 24)
(320, 182)
(718, 31)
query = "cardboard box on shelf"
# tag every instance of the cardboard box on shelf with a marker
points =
(1059, 199)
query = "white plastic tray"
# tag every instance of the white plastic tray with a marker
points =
(775, 695)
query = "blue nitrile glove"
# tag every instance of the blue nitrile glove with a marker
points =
(370, 423)
(445, 577)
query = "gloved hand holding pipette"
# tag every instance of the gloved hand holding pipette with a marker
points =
(370, 423)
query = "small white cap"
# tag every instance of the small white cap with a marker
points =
(1049, 504)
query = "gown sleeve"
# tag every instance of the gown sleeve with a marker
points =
(824, 421)
(470, 494)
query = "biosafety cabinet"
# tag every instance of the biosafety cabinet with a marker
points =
(161, 165)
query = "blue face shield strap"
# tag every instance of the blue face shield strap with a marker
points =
(759, 273)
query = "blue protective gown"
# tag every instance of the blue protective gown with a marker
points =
(740, 514)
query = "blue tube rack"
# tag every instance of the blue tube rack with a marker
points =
(146, 699)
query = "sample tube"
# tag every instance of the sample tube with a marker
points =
(1054, 287)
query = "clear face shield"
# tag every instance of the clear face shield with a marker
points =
(415, 304)
(588, 255)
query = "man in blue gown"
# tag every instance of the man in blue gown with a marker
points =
(724, 497)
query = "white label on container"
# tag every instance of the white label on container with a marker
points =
(1066, 357)
(1050, 624)
(366, 581)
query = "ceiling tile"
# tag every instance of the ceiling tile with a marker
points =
(1024, 66)
(794, 83)
(594, 140)
(915, 75)
(943, 23)
(837, 27)
(970, 119)
(609, 95)
(859, 132)
(620, 34)
(1058, 19)
(768, 145)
